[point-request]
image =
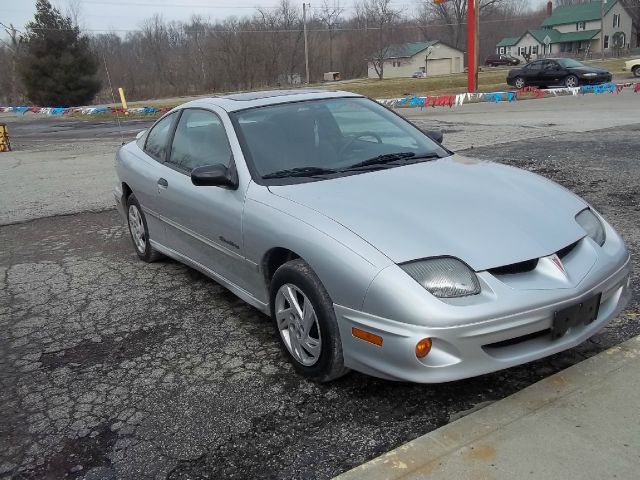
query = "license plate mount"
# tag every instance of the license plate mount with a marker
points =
(582, 313)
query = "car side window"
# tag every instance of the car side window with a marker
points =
(534, 66)
(550, 65)
(158, 138)
(200, 140)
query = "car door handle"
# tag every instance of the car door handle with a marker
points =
(163, 183)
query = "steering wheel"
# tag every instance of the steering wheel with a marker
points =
(356, 136)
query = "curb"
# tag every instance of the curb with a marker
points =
(424, 454)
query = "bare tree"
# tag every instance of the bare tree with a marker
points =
(330, 16)
(453, 15)
(380, 19)
(10, 86)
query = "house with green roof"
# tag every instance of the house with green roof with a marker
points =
(575, 30)
(432, 57)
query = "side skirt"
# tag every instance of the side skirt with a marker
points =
(240, 292)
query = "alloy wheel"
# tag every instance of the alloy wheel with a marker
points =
(136, 226)
(571, 81)
(298, 324)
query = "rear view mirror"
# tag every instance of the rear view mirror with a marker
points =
(140, 134)
(435, 135)
(215, 176)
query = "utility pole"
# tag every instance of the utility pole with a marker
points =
(472, 60)
(602, 28)
(306, 46)
(476, 55)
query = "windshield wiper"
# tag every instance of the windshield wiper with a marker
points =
(388, 158)
(300, 172)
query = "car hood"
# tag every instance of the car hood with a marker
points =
(483, 213)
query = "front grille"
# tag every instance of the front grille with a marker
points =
(529, 265)
(516, 340)
(567, 250)
(520, 267)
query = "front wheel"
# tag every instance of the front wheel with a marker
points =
(139, 231)
(571, 81)
(636, 71)
(306, 323)
(520, 83)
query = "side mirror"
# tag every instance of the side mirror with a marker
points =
(140, 134)
(435, 135)
(215, 176)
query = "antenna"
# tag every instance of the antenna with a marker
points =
(113, 98)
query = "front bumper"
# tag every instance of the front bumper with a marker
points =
(477, 347)
(595, 80)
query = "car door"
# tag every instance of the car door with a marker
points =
(532, 73)
(144, 174)
(551, 73)
(203, 223)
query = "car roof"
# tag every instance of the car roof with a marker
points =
(242, 101)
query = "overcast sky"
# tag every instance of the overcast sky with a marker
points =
(122, 15)
(107, 15)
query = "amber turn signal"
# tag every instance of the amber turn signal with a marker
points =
(423, 347)
(366, 336)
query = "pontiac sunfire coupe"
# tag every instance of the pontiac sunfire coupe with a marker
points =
(371, 245)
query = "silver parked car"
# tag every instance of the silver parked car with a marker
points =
(371, 245)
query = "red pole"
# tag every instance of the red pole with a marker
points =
(471, 46)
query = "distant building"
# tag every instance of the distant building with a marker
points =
(574, 30)
(433, 57)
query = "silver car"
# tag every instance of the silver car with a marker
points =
(371, 245)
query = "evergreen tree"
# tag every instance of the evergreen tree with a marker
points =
(57, 67)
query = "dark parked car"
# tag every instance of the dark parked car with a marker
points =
(495, 60)
(557, 71)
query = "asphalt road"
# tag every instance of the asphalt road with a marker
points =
(112, 368)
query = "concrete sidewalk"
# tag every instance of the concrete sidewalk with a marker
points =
(582, 423)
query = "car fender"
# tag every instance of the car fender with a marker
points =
(345, 263)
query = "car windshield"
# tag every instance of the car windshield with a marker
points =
(569, 63)
(335, 136)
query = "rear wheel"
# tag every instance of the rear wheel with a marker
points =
(571, 81)
(519, 83)
(139, 231)
(306, 323)
(636, 71)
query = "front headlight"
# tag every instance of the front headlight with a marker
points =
(444, 277)
(592, 225)
(589, 74)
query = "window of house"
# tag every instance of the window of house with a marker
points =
(616, 20)
(581, 25)
(534, 50)
(508, 50)
(501, 50)
(606, 41)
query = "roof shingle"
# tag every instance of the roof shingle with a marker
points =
(581, 12)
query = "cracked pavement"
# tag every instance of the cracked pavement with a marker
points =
(113, 368)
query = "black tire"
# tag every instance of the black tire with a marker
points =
(636, 71)
(571, 81)
(330, 364)
(149, 254)
(521, 81)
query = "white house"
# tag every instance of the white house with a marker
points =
(433, 57)
(575, 30)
